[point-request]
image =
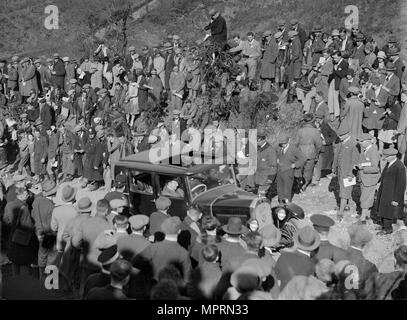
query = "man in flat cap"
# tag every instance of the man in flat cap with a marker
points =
(326, 250)
(390, 196)
(58, 72)
(218, 28)
(13, 73)
(131, 245)
(346, 158)
(156, 219)
(269, 61)
(369, 173)
(44, 74)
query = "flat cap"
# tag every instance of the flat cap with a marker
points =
(132, 48)
(292, 33)
(162, 203)
(56, 55)
(66, 59)
(176, 37)
(321, 222)
(102, 91)
(73, 81)
(37, 61)
(86, 86)
(283, 138)
(14, 59)
(139, 221)
(117, 203)
(281, 23)
(294, 22)
(23, 116)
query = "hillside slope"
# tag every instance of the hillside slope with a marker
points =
(22, 28)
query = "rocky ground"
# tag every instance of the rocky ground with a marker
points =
(379, 251)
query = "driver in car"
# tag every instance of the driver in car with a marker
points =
(172, 189)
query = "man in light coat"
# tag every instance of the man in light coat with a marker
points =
(369, 173)
(177, 85)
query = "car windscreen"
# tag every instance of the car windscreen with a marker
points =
(209, 179)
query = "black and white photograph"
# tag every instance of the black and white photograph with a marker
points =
(213, 151)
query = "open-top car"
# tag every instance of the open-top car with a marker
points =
(212, 188)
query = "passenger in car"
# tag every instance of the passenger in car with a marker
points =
(172, 189)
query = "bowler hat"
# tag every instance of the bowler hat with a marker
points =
(56, 55)
(321, 222)
(138, 221)
(162, 203)
(132, 48)
(394, 51)
(86, 86)
(84, 205)
(212, 12)
(359, 234)
(171, 225)
(390, 152)
(68, 193)
(307, 239)
(271, 235)
(360, 37)
(37, 61)
(109, 255)
(48, 187)
(235, 226)
(392, 39)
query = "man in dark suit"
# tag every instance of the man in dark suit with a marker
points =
(326, 250)
(339, 72)
(359, 238)
(298, 262)
(161, 254)
(289, 157)
(119, 276)
(266, 164)
(58, 72)
(391, 83)
(131, 245)
(191, 224)
(218, 28)
(390, 196)
(128, 59)
(46, 113)
(302, 35)
(346, 157)
(395, 58)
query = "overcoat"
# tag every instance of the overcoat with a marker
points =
(93, 158)
(268, 64)
(40, 152)
(58, 79)
(28, 80)
(392, 188)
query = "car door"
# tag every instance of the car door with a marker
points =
(142, 192)
(179, 205)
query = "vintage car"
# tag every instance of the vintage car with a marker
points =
(212, 188)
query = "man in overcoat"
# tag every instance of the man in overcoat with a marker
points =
(390, 197)
(268, 63)
(58, 72)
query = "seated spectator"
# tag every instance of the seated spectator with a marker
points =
(172, 189)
